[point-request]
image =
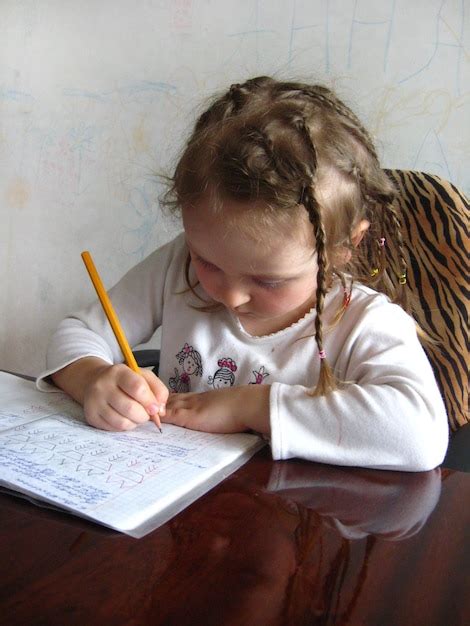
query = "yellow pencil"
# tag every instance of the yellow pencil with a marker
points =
(112, 318)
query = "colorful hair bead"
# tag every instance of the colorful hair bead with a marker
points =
(322, 354)
(403, 278)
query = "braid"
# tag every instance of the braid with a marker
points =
(382, 212)
(396, 227)
(232, 102)
(328, 99)
(375, 259)
(390, 218)
(355, 126)
(326, 380)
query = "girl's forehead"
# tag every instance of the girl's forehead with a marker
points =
(232, 238)
(252, 220)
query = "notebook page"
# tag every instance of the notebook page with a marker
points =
(20, 402)
(121, 480)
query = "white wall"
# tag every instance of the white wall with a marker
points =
(95, 96)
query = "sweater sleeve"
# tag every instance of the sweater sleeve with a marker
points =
(138, 301)
(387, 414)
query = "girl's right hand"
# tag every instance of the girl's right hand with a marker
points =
(120, 399)
(114, 397)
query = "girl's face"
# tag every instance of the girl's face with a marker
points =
(267, 279)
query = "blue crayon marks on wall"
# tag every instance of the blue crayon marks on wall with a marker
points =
(139, 234)
(129, 91)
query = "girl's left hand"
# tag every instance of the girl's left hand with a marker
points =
(231, 410)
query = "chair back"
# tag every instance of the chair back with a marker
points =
(437, 243)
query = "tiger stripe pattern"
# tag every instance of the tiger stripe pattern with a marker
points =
(435, 221)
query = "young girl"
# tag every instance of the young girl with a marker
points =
(284, 277)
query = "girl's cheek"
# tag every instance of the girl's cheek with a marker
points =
(281, 298)
(288, 299)
(207, 283)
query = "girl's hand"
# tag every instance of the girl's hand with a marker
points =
(118, 398)
(231, 410)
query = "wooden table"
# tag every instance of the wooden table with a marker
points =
(285, 543)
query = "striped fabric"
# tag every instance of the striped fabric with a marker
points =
(436, 235)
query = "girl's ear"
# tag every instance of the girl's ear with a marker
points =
(343, 254)
(359, 231)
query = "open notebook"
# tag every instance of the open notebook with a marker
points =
(132, 482)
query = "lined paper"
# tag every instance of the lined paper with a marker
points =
(130, 481)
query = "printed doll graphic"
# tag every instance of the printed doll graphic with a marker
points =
(191, 363)
(225, 375)
(259, 375)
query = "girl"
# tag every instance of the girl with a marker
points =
(284, 267)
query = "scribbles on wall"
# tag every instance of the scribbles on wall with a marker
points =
(127, 92)
(431, 156)
(431, 115)
(14, 95)
(141, 222)
(182, 15)
(448, 25)
(377, 23)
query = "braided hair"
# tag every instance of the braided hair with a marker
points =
(282, 143)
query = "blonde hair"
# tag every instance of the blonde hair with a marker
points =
(284, 144)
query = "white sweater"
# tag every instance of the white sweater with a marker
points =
(388, 414)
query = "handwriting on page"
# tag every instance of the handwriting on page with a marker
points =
(24, 412)
(82, 467)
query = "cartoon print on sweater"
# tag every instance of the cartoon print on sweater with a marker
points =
(259, 375)
(225, 375)
(191, 362)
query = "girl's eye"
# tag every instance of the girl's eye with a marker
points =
(266, 284)
(206, 264)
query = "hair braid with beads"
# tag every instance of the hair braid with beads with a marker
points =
(280, 143)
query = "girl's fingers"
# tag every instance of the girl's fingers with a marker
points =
(137, 388)
(156, 386)
(179, 400)
(128, 408)
(109, 419)
(179, 416)
(182, 409)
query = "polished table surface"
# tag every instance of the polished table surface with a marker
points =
(277, 543)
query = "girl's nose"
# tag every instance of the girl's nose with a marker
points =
(233, 296)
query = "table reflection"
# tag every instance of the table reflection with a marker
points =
(291, 553)
(358, 502)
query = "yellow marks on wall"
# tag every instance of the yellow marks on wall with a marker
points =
(17, 193)
(140, 140)
(396, 108)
